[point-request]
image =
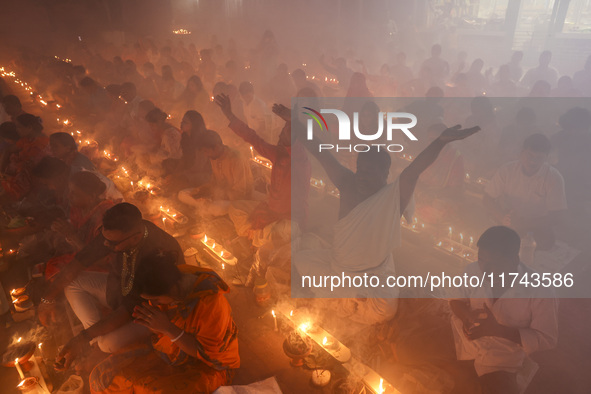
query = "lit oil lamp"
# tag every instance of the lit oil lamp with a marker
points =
(330, 343)
(22, 303)
(16, 293)
(218, 251)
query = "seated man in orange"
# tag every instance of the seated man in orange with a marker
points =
(194, 347)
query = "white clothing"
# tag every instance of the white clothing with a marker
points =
(529, 196)
(534, 312)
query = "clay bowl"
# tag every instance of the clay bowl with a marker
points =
(21, 351)
(297, 360)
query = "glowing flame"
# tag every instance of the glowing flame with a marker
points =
(273, 312)
(381, 386)
(304, 327)
(205, 238)
(19, 341)
(324, 341)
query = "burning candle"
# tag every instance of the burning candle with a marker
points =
(164, 223)
(291, 313)
(450, 232)
(274, 319)
(40, 347)
(16, 293)
(471, 242)
(330, 343)
(380, 389)
(304, 327)
(461, 238)
(18, 368)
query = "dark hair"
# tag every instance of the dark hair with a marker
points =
(88, 182)
(28, 120)
(210, 140)
(197, 121)
(500, 240)
(87, 82)
(123, 217)
(158, 273)
(8, 131)
(197, 81)
(379, 157)
(63, 139)
(50, 167)
(538, 143)
(129, 86)
(156, 115)
(11, 99)
(146, 105)
(298, 73)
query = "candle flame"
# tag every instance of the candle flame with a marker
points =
(40, 344)
(304, 327)
(291, 313)
(19, 340)
(273, 312)
(381, 386)
(223, 266)
(324, 341)
(205, 238)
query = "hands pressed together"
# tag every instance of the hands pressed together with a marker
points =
(153, 318)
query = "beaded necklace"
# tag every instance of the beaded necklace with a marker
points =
(128, 270)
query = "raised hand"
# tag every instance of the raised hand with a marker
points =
(282, 111)
(456, 133)
(223, 101)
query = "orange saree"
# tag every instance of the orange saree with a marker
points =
(164, 368)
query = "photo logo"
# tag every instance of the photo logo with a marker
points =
(392, 120)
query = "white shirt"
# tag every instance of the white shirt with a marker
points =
(529, 196)
(536, 318)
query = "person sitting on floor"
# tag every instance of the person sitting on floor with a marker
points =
(195, 344)
(231, 179)
(63, 146)
(499, 327)
(528, 194)
(32, 146)
(128, 238)
(271, 221)
(87, 209)
(368, 228)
